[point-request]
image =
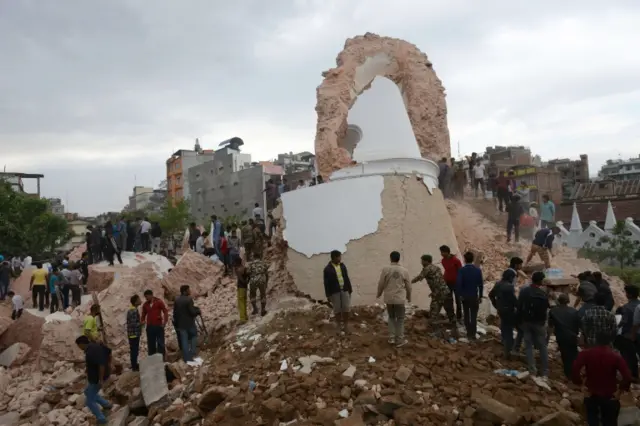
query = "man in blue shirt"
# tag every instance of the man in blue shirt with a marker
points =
(469, 286)
(547, 212)
(542, 245)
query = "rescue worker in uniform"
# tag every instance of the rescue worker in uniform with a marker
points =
(441, 296)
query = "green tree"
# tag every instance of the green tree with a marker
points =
(174, 218)
(27, 226)
(620, 246)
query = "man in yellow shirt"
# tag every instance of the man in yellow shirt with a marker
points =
(90, 324)
(38, 286)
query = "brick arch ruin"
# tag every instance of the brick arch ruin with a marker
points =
(362, 59)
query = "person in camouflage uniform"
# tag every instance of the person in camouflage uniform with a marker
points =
(246, 233)
(258, 240)
(258, 273)
(440, 294)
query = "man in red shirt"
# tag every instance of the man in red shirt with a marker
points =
(452, 265)
(601, 365)
(154, 316)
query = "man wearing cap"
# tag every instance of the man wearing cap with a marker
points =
(565, 322)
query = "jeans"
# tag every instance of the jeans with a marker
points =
(507, 324)
(54, 303)
(134, 351)
(513, 225)
(155, 339)
(94, 401)
(396, 322)
(65, 297)
(470, 306)
(535, 335)
(145, 241)
(568, 353)
(37, 294)
(503, 198)
(601, 410)
(188, 342)
(457, 299)
(4, 289)
(627, 350)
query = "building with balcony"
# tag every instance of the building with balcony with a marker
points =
(621, 169)
(506, 157)
(178, 166)
(16, 180)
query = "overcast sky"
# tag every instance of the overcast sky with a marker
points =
(97, 94)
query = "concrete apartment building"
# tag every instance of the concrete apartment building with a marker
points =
(621, 169)
(56, 206)
(541, 181)
(572, 173)
(16, 181)
(140, 197)
(294, 163)
(178, 166)
(505, 157)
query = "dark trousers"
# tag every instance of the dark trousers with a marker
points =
(54, 303)
(513, 225)
(568, 353)
(4, 288)
(65, 296)
(16, 314)
(627, 350)
(76, 294)
(46, 297)
(507, 324)
(457, 299)
(110, 256)
(155, 339)
(145, 241)
(96, 252)
(37, 294)
(503, 196)
(470, 310)
(134, 351)
(601, 411)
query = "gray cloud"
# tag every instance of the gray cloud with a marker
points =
(93, 93)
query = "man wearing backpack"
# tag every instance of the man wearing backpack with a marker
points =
(533, 306)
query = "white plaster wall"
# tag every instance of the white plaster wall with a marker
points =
(381, 115)
(326, 217)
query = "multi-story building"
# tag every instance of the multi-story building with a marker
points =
(140, 197)
(572, 173)
(541, 181)
(178, 167)
(293, 163)
(505, 157)
(56, 206)
(621, 169)
(16, 181)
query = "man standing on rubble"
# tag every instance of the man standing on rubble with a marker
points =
(514, 212)
(216, 232)
(247, 238)
(596, 320)
(542, 245)
(134, 331)
(194, 234)
(90, 324)
(394, 283)
(503, 298)
(258, 275)
(184, 315)
(533, 307)
(625, 341)
(96, 243)
(258, 239)
(154, 317)
(243, 283)
(565, 322)
(337, 288)
(451, 265)
(547, 212)
(470, 286)
(38, 285)
(98, 364)
(441, 294)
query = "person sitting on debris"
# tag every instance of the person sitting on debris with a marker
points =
(337, 288)
(601, 365)
(451, 265)
(514, 211)
(154, 316)
(258, 275)
(533, 307)
(134, 331)
(90, 324)
(470, 286)
(243, 283)
(98, 364)
(542, 245)
(394, 283)
(441, 294)
(184, 314)
(18, 305)
(565, 322)
(596, 320)
(624, 341)
(503, 298)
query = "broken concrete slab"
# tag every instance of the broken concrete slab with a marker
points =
(349, 372)
(66, 378)
(139, 421)
(9, 419)
(153, 381)
(629, 416)
(119, 418)
(14, 354)
(403, 373)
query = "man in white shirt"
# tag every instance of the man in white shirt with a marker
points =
(145, 239)
(478, 178)
(258, 212)
(200, 242)
(18, 305)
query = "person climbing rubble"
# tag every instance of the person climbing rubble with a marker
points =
(258, 275)
(624, 341)
(337, 288)
(503, 298)
(514, 211)
(184, 315)
(242, 282)
(470, 286)
(154, 317)
(394, 284)
(441, 294)
(98, 366)
(601, 365)
(452, 265)
(542, 245)
(90, 324)
(533, 308)
(565, 323)
(17, 303)
(134, 331)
